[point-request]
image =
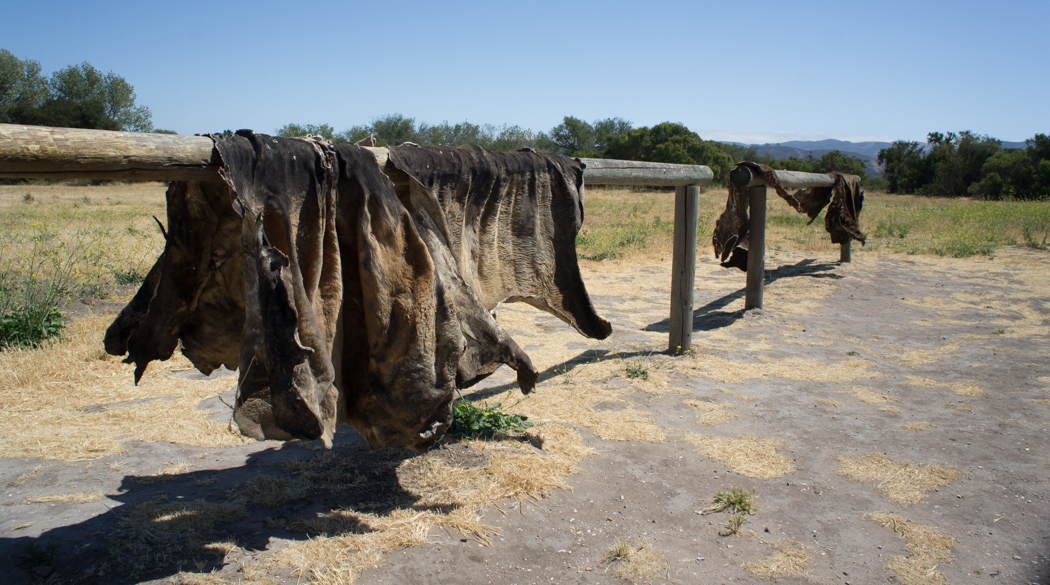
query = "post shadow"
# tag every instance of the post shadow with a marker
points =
(711, 316)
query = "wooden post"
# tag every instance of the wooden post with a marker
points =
(683, 268)
(845, 251)
(756, 250)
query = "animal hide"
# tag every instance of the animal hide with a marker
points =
(512, 218)
(338, 302)
(843, 200)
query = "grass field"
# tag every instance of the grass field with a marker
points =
(620, 222)
(60, 242)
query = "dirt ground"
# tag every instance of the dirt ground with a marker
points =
(889, 416)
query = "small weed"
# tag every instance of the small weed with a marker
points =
(1030, 241)
(27, 198)
(999, 332)
(738, 500)
(470, 421)
(851, 352)
(733, 526)
(34, 556)
(568, 376)
(126, 276)
(620, 552)
(637, 370)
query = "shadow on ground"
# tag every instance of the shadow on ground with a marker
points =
(164, 524)
(711, 316)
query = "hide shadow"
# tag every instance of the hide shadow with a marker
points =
(712, 316)
(164, 524)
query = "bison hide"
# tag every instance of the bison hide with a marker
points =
(338, 301)
(512, 218)
(843, 200)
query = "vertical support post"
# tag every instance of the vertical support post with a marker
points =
(845, 251)
(756, 250)
(683, 267)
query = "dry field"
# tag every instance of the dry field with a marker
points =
(887, 420)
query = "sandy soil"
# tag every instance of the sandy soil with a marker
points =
(939, 365)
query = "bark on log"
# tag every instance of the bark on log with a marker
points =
(74, 153)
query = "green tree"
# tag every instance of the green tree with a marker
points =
(394, 129)
(1007, 174)
(22, 87)
(839, 162)
(905, 167)
(297, 130)
(670, 143)
(574, 137)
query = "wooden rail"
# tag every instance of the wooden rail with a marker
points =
(756, 252)
(71, 153)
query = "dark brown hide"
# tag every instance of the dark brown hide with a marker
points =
(512, 219)
(194, 292)
(730, 238)
(349, 305)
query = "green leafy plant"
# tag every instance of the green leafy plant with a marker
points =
(486, 421)
(39, 274)
(637, 370)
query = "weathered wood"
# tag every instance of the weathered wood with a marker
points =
(37, 151)
(756, 249)
(71, 153)
(743, 177)
(683, 268)
(846, 251)
(601, 171)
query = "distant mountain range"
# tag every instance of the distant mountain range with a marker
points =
(868, 152)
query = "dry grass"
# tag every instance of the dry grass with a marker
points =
(871, 397)
(789, 559)
(715, 417)
(927, 549)
(639, 564)
(707, 406)
(828, 402)
(763, 368)
(78, 497)
(961, 388)
(913, 358)
(916, 426)
(74, 386)
(747, 455)
(903, 483)
(743, 397)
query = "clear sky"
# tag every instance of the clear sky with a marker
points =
(751, 72)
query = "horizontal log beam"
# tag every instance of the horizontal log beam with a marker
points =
(75, 153)
(41, 152)
(743, 177)
(604, 171)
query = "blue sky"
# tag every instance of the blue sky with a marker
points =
(755, 72)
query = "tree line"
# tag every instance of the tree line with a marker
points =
(968, 164)
(78, 96)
